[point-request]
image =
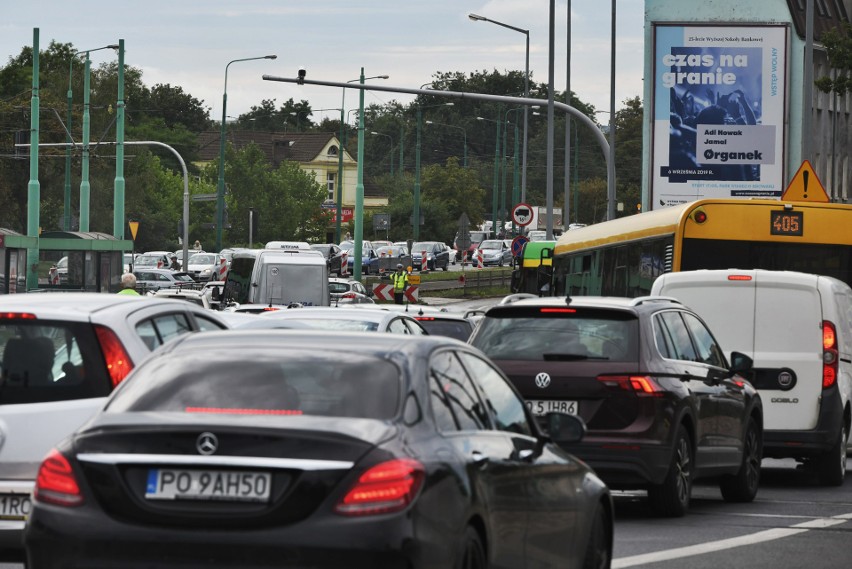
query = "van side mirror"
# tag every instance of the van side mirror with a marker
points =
(740, 363)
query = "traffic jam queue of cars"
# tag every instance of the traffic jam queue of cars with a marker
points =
(152, 431)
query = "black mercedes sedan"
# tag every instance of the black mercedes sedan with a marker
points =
(258, 448)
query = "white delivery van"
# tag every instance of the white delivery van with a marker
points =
(280, 276)
(797, 328)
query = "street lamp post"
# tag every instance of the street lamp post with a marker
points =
(478, 18)
(464, 132)
(220, 186)
(514, 165)
(496, 175)
(415, 218)
(389, 137)
(66, 223)
(340, 157)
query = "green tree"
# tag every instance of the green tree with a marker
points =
(838, 48)
(288, 198)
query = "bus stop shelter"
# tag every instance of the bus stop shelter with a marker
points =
(94, 261)
(13, 260)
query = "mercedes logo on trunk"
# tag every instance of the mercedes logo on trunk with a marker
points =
(207, 443)
(542, 380)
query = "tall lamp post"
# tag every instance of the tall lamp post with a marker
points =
(389, 137)
(66, 223)
(220, 186)
(514, 199)
(464, 133)
(478, 18)
(496, 175)
(340, 156)
(415, 216)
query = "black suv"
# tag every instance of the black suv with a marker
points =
(662, 405)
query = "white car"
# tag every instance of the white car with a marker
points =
(206, 266)
(62, 355)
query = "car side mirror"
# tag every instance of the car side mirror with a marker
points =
(564, 429)
(740, 363)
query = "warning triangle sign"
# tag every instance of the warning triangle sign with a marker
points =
(805, 186)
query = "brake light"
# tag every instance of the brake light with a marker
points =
(739, 277)
(641, 385)
(56, 483)
(424, 318)
(17, 316)
(557, 310)
(348, 295)
(270, 309)
(385, 488)
(829, 354)
(241, 411)
(117, 360)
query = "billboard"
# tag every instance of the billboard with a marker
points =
(719, 110)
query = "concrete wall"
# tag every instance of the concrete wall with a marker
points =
(825, 112)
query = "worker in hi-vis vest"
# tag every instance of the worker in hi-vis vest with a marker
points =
(400, 279)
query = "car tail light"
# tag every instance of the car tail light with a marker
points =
(641, 385)
(117, 360)
(385, 488)
(558, 310)
(348, 295)
(56, 483)
(270, 308)
(829, 354)
(739, 277)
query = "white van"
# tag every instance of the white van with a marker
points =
(797, 328)
(281, 276)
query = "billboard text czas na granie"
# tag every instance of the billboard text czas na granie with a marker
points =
(718, 112)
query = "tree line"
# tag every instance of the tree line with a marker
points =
(287, 198)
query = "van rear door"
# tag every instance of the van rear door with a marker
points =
(788, 349)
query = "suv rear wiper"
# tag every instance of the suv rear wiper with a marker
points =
(570, 357)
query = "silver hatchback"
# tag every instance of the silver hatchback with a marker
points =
(62, 355)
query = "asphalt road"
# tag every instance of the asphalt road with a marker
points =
(793, 523)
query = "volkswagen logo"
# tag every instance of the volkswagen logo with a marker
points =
(542, 380)
(207, 443)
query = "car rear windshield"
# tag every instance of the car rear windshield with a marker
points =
(49, 361)
(257, 383)
(458, 329)
(559, 334)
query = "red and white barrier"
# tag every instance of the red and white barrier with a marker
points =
(223, 270)
(479, 263)
(424, 264)
(344, 264)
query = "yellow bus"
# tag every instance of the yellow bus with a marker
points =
(622, 257)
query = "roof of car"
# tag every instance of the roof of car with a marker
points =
(330, 313)
(81, 304)
(378, 343)
(616, 302)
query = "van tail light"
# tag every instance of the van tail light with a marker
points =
(117, 360)
(56, 483)
(829, 354)
(385, 488)
(641, 385)
(17, 316)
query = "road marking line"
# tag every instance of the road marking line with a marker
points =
(713, 546)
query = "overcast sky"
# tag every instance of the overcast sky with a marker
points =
(188, 43)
